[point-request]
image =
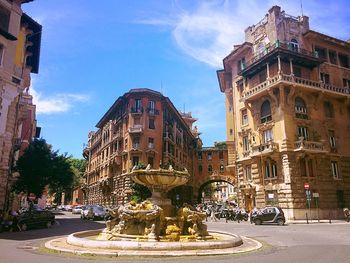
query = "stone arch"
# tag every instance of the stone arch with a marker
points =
(211, 179)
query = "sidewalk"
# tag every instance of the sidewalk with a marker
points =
(315, 221)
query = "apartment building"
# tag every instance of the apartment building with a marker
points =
(141, 127)
(20, 40)
(288, 117)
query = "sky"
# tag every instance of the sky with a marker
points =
(92, 52)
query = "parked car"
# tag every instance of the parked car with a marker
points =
(93, 212)
(77, 209)
(268, 215)
(35, 218)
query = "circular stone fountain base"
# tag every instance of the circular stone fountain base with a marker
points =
(85, 242)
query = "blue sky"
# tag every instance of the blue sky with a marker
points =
(94, 51)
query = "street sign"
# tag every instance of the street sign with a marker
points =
(306, 186)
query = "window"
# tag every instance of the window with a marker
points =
(297, 71)
(343, 60)
(221, 155)
(270, 169)
(244, 113)
(200, 168)
(267, 136)
(210, 168)
(245, 144)
(210, 156)
(321, 53)
(248, 172)
(325, 78)
(328, 109)
(241, 64)
(260, 50)
(199, 155)
(138, 105)
(135, 160)
(294, 45)
(332, 141)
(222, 168)
(303, 132)
(151, 143)
(346, 83)
(335, 171)
(262, 76)
(300, 108)
(332, 57)
(150, 161)
(265, 112)
(151, 124)
(231, 131)
(151, 105)
(4, 19)
(126, 144)
(302, 164)
(136, 143)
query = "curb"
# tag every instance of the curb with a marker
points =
(249, 245)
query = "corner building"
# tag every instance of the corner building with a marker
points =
(288, 116)
(20, 41)
(142, 126)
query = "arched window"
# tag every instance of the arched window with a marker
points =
(294, 45)
(300, 108)
(265, 112)
(210, 168)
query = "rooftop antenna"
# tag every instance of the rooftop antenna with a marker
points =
(301, 5)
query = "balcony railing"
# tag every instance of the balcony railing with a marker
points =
(152, 111)
(290, 79)
(264, 148)
(135, 129)
(302, 145)
(136, 110)
(280, 46)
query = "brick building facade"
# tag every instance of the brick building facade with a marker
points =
(142, 126)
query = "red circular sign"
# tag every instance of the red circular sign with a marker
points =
(306, 186)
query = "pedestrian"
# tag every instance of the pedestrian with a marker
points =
(212, 215)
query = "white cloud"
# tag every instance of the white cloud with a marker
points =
(209, 32)
(57, 103)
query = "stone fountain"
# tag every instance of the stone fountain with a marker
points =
(154, 227)
(156, 219)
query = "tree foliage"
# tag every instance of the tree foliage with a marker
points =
(39, 166)
(140, 192)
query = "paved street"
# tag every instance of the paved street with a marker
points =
(293, 243)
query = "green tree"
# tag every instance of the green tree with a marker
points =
(78, 167)
(140, 192)
(35, 168)
(39, 166)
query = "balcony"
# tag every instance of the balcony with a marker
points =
(136, 129)
(285, 52)
(309, 146)
(136, 110)
(263, 88)
(152, 111)
(265, 148)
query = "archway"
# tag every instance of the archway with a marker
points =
(218, 187)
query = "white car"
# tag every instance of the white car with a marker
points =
(77, 209)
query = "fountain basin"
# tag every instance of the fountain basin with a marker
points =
(160, 179)
(220, 240)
